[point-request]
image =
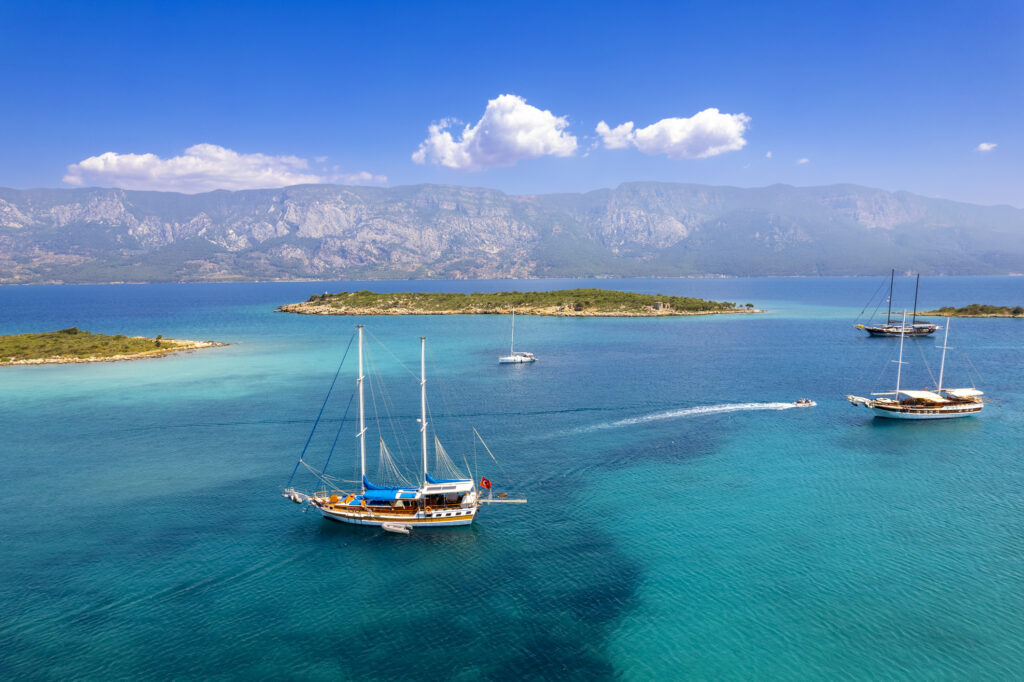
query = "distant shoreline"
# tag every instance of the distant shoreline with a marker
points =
(308, 308)
(561, 303)
(167, 347)
(978, 310)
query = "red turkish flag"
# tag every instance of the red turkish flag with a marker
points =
(485, 483)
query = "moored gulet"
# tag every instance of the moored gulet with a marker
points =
(452, 499)
(942, 403)
(893, 327)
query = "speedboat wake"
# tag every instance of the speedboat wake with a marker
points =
(697, 411)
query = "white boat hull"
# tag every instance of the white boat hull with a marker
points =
(923, 414)
(461, 517)
(515, 360)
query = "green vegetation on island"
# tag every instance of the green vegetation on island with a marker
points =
(77, 345)
(567, 302)
(978, 310)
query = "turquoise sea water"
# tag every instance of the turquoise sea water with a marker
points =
(679, 525)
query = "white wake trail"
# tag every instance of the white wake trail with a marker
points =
(690, 412)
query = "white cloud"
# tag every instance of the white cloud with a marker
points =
(986, 147)
(618, 137)
(803, 161)
(202, 168)
(706, 133)
(767, 155)
(509, 131)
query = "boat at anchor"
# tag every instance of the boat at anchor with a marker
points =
(515, 356)
(893, 327)
(442, 497)
(942, 403)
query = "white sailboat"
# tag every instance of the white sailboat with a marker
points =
(451, 499)
(942, 403)
(515, 356)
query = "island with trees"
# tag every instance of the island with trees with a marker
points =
(978, 310)
(77, 345)
(565, 303)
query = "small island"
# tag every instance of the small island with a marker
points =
(77, 345)
(978, 310)
(564, 303)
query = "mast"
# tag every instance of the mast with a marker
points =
(512, 344)
(945, 344)
(362, 419)
(423, 402)
(899, 363)
(892, 278)
(916, 287)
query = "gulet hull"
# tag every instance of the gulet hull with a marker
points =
(922, 414)
(462, 517)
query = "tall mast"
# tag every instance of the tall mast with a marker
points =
(423, 402)
(362, 419)
(945, 344)
(892, 278)
(899, 363)
(916, 287)
(512, 344)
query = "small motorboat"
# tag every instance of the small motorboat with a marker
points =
(805, 402)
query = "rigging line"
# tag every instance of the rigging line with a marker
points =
(892, 353)
(968, 365)
(379, 389)
(869, 303)
(337, 435)
(328, 481)
(400, 363)
(925, 362)
(503, 472)
(322, 407)
(438, 380)
(398, 434)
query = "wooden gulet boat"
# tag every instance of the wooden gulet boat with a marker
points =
(942, 403)
(894, 328)
(435, 502)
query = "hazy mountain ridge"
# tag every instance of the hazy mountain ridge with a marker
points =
(638, 229)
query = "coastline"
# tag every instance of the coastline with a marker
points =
(939, 313)
(180, 346)
(309, 308)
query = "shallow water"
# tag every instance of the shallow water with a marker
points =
(681, 521)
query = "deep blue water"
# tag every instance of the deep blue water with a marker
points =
(677, 525)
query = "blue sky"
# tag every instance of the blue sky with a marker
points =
(890, 95)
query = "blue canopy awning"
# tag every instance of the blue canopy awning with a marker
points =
(391, 494)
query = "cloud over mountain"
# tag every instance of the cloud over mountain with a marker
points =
(509, 131)
(706, 133)
(201, 168)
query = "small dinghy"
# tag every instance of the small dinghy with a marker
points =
(403, 528)
(805, 402)
(295, 496)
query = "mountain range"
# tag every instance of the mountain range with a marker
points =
(638, 229)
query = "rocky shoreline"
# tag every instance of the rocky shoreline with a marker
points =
(318, 308)
(173, 346)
